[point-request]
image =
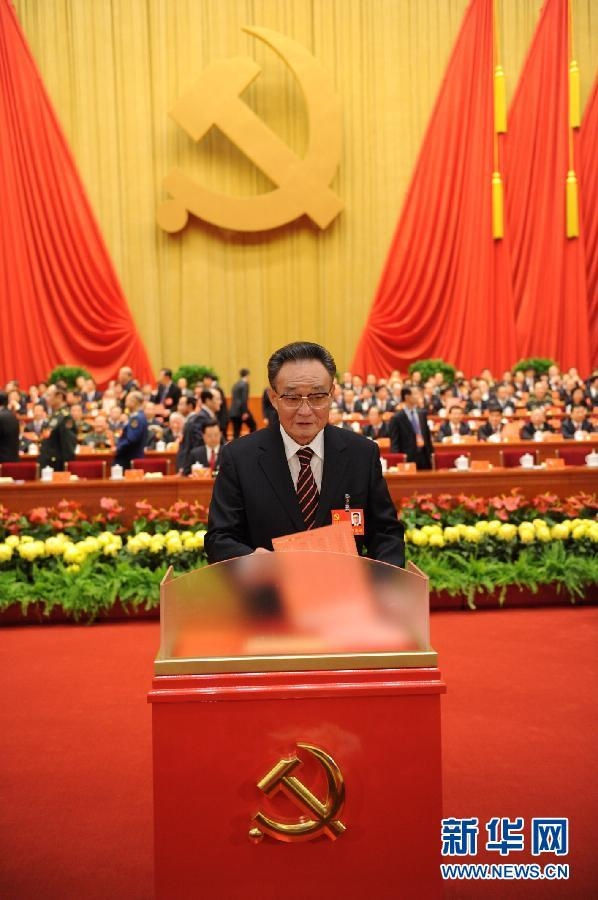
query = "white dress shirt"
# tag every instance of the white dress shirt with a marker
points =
(317, 461)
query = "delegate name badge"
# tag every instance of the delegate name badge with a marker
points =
(354, 516)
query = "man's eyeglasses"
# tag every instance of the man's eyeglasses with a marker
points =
(294, 401)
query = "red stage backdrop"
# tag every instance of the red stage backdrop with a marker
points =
(549, 278)
(60, 299)
(588, 147)
(446, 288)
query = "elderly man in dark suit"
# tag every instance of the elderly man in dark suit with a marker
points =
(289, 477)
(409, 432)
(239, 405)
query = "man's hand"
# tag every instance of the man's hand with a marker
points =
(261, 550)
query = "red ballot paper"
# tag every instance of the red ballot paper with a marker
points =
(329, 538)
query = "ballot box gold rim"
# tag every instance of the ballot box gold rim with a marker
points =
(309, 662)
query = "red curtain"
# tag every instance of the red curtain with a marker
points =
(445, 288)
(549, 279)
(588, 148)
(60, 299)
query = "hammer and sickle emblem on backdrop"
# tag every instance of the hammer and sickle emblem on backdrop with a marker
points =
(322, 818)
(302, 184)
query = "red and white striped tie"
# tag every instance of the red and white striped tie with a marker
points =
(307, 489)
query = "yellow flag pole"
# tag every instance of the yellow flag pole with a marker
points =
(500, 127)
(571, 188)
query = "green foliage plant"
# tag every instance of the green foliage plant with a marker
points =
(429, 367)
(68, 374)
(193, 374)
(540, 365)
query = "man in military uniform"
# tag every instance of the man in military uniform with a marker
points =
(58, 445)
(131, 443)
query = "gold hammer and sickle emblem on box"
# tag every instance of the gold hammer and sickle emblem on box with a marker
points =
(302, 184)
(323, 816)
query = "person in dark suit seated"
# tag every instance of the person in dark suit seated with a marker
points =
(335, 418)
(383, 400)
(503, 400)
(167, 393)
(289, 477)
(349, 403)
(239, 405)
(376, 427)
(454, 427)
(9, 431)
(577, 421)
(409, 432)
(476, 405)
(537, 428)
(208, 454)
(491, 430)
(193, 434)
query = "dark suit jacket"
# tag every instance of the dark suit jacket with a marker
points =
(200, 455)
(254, 499)
(403, 440)
(192, 437)
(9, 436)
(446, 431)
(568, 428)
(528, 431)
(239, 399)
(368, 431)
(170, 392)
(487, 431)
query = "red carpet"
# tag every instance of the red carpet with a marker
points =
(75, 748)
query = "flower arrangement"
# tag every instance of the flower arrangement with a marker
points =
(63, 557)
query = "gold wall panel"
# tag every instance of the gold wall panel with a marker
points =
(114, 68)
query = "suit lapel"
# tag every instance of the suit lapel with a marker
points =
(335, 464)
(273, 463)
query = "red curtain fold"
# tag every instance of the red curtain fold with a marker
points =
(588, 169)
(548, 270)
(445, 289)
(60, 299)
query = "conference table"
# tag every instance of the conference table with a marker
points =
(163, 492)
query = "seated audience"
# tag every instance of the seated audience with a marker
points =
(492, 429)
(503, 399)
(364, 401)
(173, 433)
(383, 400)
(100, 437)
(350, 405)
(90, 396)
(116, 420)
(537, 428)
(376, 427)
(578, 398)
(81, 426)
(540, 396)
(578, 421)
(454, 427)
(192, 433)
(475, 406)
(207, 454)
(39, 421)
(335, 417)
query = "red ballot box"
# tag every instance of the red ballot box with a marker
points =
(296, 751)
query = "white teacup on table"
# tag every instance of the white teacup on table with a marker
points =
(462, 462)
(526, 461)
(592, 459)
